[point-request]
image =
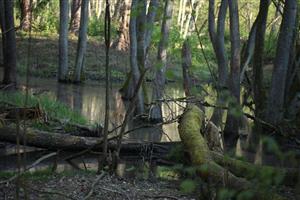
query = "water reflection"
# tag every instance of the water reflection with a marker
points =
(89, 99)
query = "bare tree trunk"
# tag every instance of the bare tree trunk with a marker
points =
(186, 65)
(159, 81)
(9, 42)
(118, 7)
(218, 41)
(75, 16)
(233, 119)
(258, 87)
(63, 41)
(152, 11)
(183, 16)
(133, 57)
(82, 41)
(25, 15)
(122, 43)
(275, 106)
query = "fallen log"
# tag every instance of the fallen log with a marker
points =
(194, 143)
(58, 141)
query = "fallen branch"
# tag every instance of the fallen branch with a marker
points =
(93, 186)
(38, 161)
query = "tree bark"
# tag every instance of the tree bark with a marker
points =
(186, 57)
(275, 107)
(218, 41)
(75, 16)
(82, 41)
(258, 58)
(231, 130)
(135, 70)
(63, 41)
(159, 81)
(9, 42)
(122, 43)
(26, 13)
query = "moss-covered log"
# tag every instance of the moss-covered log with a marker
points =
(190, 127)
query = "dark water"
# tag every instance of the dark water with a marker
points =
(89, 100)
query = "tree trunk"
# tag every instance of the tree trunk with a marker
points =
(122, 43)
(159, 81)
(275, 106)
(25, 15)
(232, 121)
(75, 16)
(9, 42)
(209, 164)
(258, 58)
(186, 57)
(63, 41)
(135, 71)
(152, 11)
(218, 41)
(82, 41)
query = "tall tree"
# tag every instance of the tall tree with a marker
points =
(82, 40)
(159, 81)
(143, 31)
(75, 16)
(275, 105)
(218, 42)
(25, 15)
(233, 120)
(9, 42)
(258, 57)
(133, 57)
(63, 41)
(122, 42)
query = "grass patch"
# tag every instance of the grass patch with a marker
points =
(53, 108)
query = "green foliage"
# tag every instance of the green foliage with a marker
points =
(225, 194)
(96, 27)
(47, 19)
(188, 186)
(50, 106)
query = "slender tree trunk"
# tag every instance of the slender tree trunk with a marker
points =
(218, 41)
(63, 41)
(118, 7)
(159, 81)
(25, 15)
(75, 16)
(275, 106)
(122, 43)
(152, 11)
(133, 57)
(183, 16)
(186, 56)
(258, 87)
(231, 130)
(9, 42)
(82, 41)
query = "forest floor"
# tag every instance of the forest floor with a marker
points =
(79, 185)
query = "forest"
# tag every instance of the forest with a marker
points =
(150, 99)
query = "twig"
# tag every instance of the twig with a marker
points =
(31, 166)
(93, 186)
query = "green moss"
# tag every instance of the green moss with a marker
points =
(189, 130)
